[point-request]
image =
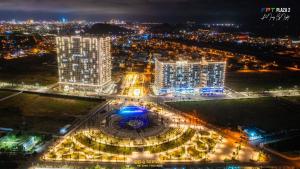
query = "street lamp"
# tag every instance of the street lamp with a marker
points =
(295, 89)
(247, 91)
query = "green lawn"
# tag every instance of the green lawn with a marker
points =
(256, 81)
(5, 94)
(269, 114)
(295, 100)
(15, 142)
(42, 78)
(290, 146)
(42, 113)
(30, 70)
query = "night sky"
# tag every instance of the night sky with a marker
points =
(234, 11)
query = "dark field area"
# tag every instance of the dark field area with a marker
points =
(30, 70)
(256, 81)
(295, 100)
(5, 94)
(290, 146)
(34, 112)
(269, 114)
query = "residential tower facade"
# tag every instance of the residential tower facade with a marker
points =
(84, 62)
(188, 76)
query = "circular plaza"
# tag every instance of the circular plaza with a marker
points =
(132, 131)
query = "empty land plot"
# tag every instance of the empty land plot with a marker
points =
(270, 114)
(42, 113)
(260, 81)
(4, 94)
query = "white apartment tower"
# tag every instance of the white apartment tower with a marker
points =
(84, 62)
(189, 76)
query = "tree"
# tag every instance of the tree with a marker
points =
(97, 167)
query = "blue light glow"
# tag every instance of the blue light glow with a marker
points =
(133, 117)
(145, 36)
(213, 90)
(64, 129)
(63, 20)
(8, 32)
(184, 90)
(132, 110)
(29, 143)
(233, 167)
(252, 134)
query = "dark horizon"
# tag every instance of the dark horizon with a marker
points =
(171, 11)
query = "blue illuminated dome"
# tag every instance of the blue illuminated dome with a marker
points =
(132, 111)
(133, 117)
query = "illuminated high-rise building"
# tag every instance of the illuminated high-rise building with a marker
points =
(188, 76)
(84, 62)
(212, 77)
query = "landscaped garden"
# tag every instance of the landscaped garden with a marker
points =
(179, 143)
(20, 143)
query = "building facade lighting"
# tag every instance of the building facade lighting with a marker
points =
(84, 63)
(189, 76)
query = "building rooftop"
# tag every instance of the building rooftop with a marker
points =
(189, 59)
(83, 35)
